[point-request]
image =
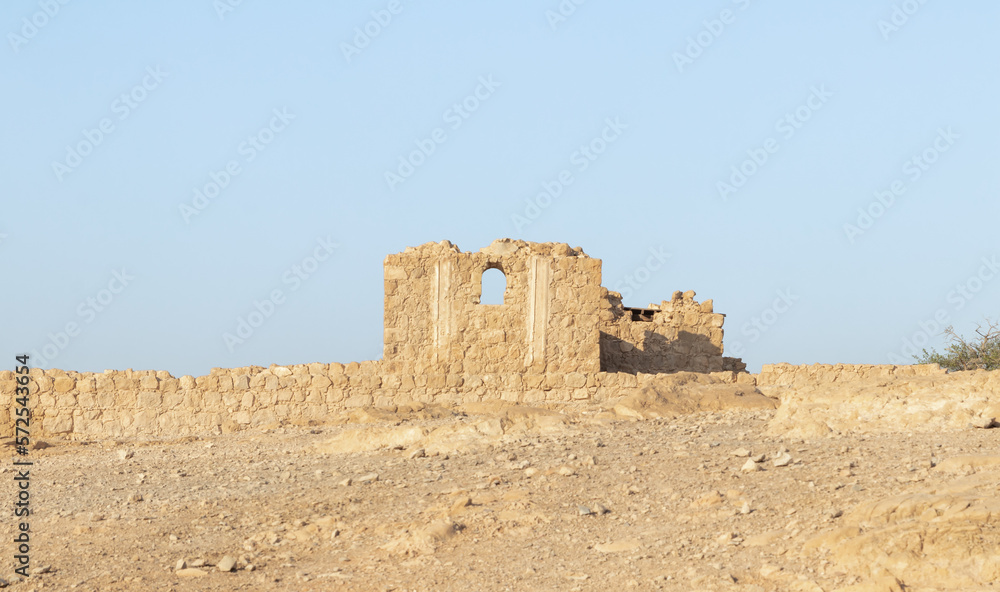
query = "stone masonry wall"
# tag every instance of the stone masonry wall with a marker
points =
(435, 324)
(791, 375)
(151, 404)
(676, 335)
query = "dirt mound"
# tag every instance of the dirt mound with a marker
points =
(422, 540)
(686, 393)
(463, 434)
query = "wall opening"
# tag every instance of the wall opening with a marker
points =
(494, 286)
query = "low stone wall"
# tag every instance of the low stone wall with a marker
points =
(151, 404)
(790, 375)
(141, 404)
(884, 399)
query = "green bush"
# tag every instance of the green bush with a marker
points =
(979, 353)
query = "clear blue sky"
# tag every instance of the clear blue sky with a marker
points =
(636, 115)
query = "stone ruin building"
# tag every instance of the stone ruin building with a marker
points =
(555, 317)
(558, 336)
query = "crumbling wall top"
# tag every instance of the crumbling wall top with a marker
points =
(502, 247)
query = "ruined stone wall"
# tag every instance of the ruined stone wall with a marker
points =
(676, 335)
(435, 324)
(151, 404)
(804, 375)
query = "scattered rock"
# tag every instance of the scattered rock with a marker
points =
(710, 499)
(758, 458)
(741, 452)
(368, 478)
(191, 572)
(782, 460)
(600, 509)
(584, 511)
(125, 454)
(41, 570)
(417, 453)
(226, 564)
(983, 423)
(618, 546)
(566, 471)
(462, 502)
(768, 571)
(345, 482)
(181, 564)
(750, 466)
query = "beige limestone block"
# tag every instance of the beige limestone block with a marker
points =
(43, 384)
(63, 384)
(358, 401)
(60, 424)
(149, 399)
(576, 380)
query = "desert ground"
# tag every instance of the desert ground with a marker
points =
(695, 487)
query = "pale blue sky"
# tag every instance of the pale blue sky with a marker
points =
(180, 92)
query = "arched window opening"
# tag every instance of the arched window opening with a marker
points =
(494, 286)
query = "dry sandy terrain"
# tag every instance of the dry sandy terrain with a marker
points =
(489, 497)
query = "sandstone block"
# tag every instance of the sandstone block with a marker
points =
(63, 384)
(576, 380)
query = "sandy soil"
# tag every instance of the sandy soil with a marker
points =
(495, 499)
